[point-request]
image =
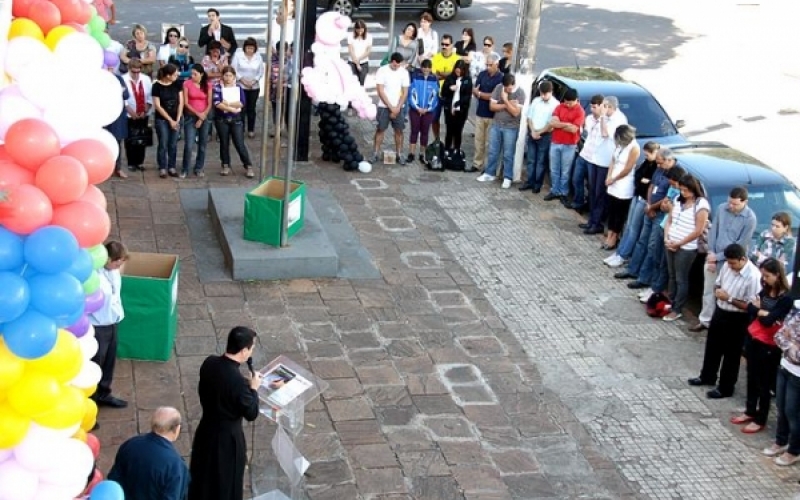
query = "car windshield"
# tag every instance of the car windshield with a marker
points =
(644, 113)
(765, 201)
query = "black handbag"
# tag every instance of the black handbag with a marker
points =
(140, 137)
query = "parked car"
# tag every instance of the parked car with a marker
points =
(442, 10)
(640, 106)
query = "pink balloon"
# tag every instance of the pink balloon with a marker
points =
(80, 327)
(94, 301)
(26, 210)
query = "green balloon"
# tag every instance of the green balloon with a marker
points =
(103, 39)
(99, 256)
(90, 285)
(97, 25)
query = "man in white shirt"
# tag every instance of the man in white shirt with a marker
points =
(539, 129)
(391, 83)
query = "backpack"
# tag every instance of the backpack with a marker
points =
(434, 155)
(658, 305)
(454, 159)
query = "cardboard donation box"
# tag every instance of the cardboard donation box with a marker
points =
(263, 207)
(150, 299)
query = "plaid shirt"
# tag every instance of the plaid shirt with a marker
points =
(788, 337)
(767, 246)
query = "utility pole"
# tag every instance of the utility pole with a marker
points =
(529, 18)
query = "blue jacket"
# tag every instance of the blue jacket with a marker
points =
(424, 91)
(148, 467)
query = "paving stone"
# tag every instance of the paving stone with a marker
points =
(423, 463)
(388, 395)
(460, 374)
(359, 340)
(396, 331)
(382, 314)
(329, 472)
(379, 374)
(477, 346)
(337, 291)
(461, 453)
(332, 368)
(395, 415)
(427, 322)
(359, 432)
(472, 395)
(356, 408)
(435, 404)
(368, 357)
(425, 384)
(458, 315)
(190, 312)
(324, 350)
(223, 290)
(352, 323)
(514, 461)
(343, 307)
(530, 486)
(380, 481)
(405, 349)
(196, 346)
(448, 428)
(319, 446)
(317, 332)
(405, 439)
(372, 456)
(435, 488)
(343, 388)
(333, 492)
(449, 298)
(478, 478)
(486, 415)
(195, 328)
(418, 365)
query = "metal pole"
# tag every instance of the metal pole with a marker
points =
(276, 146)
(391, 22)
(262, 166)
(530, 14)
(299, 50)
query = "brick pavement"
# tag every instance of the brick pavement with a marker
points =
(494, 359)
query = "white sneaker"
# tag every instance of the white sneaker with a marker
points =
(610, 258)
(615, 261)
(506, 183)
(645, 296)
(485, 178)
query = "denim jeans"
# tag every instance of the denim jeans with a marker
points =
(654, 270)
(679, 264)
(580, 177)
(190, 132)
(787, 400)
(598, 195)
(227, 129)
(167, 151)
(538, 149)
(633, 226)
(561, 156)
(642, 247)
(501, 141)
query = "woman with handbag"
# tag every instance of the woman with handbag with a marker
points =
(359, 46)
(768, 311)
(137, 106)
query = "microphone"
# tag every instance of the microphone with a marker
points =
(250, 367)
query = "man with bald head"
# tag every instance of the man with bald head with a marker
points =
(148, 467)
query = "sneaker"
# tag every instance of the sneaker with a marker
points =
(183, 175)
(375, 158)
(774, 450)
(644, 297)
(787, 459)
(673, 316)
(410, 158)
(506, 183)
(199, 173)
(400, 159)
(607, 259)
(249, 173)
(614, 261)
(485, 178)
(422, 159)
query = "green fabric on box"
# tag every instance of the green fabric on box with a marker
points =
(263, 207)
(151, 309)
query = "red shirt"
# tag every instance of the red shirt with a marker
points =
(573, 115)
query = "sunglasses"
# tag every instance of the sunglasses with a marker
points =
(445, 45)
(487, 44)
(183, 46)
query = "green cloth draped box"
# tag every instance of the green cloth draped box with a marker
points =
(263, 207)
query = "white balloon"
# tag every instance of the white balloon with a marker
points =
(48, 491)
(23, 52)
(88, 377)
(364, 167)
(14, 109)
(39, 452)
(17, 482)
(36, 84)
(95, 100)
(75, 462)
(11, 90)
(80, 51)
(88, 345)
(5, 455)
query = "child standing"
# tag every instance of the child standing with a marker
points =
(423, 97)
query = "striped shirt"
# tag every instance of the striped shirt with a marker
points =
(683, 221)
(741, 285)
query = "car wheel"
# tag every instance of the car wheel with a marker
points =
(343, 7)
(444, 10)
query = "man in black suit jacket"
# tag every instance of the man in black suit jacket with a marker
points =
(215, 30)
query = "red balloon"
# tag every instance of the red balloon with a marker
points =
(94, 196)
(96, 478)
(85, 14)
(94, 155)
(12, 175)
(89, 223)
(80, 28)
(45, 14)
(62, 178)
(4, 157)
(70, 10)
(19, 8)
(26, 209)
(31, 142)
(94, 444)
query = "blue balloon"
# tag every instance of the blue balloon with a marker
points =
(12, 254)
(107, 490)
(70, 319)
(56, 295)
(51, 249)
(82, 266)
(14, 296)
(30, 336)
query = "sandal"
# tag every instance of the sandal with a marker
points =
(752, 428)
(250, 174)
(741, 419)
(606, 246)
(162, 174)
(226, 170)
(122, 174)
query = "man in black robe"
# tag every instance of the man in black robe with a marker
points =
(219, 450)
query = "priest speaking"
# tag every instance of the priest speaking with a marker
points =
(219, 450)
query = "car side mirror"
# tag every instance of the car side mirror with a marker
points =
(680, 124)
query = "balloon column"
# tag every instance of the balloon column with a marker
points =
(52, 225)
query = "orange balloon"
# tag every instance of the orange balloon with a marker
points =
(26, 210)
(31, 142)
(93, 195)
(62, 178)
(70, 10)
(12, 175)
(45, 14)
(94, 155)
(19, 8)
(89, 223)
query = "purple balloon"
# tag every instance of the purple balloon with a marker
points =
(94, 301)
(80, 327)
(110, 59)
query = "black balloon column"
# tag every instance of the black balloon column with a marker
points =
(334, 135)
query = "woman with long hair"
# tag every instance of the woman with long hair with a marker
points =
(768, 311)
(407, 45)
(466, 45)
(170, 46)
(776, 242)
(229, 101)
(214, 61)
(456, 95)
(359, 46)
(196, 122)
(168, 106)
(620, 183)
(183, 60)
(428, 38)
(685, 223)
(249, 68)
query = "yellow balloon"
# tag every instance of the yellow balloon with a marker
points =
(89, 415)
(88, 391)
(13, 426)
(56, 34)
(69, 410)
(63, 361)
(34, 394)
(25, 27)
(11, 367)
(80, 435)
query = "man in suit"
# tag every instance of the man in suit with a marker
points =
(148, 467)
(215, 30)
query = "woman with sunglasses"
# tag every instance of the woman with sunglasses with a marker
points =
(183, 60)
(359, 46)
(249, 69)
(477, 58)
(229, 101)
(170, 46)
